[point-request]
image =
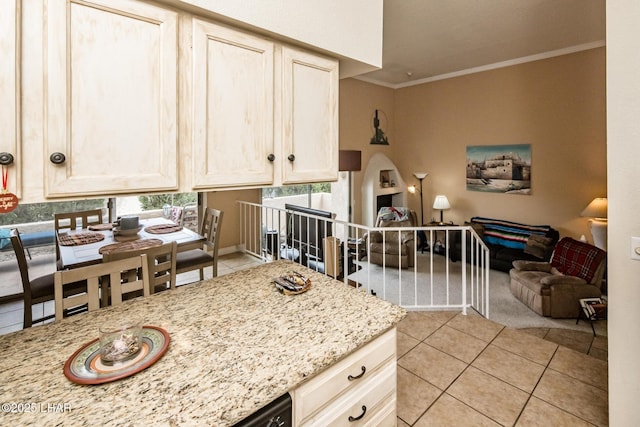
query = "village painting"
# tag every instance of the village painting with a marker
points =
(499, 168)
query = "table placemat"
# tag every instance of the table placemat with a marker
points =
(76, 239)
(163, 228)
(129, 246)
(101, 227)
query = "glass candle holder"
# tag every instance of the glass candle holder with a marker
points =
(120, 341)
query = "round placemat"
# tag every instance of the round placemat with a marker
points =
(163, 228)
(129, 246)
(85, 366)
(75, 239)
(101, 227)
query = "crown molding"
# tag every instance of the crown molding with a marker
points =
(503, 64)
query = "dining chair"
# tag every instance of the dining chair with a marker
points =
(40, 289)
(98, 276)
(207, 255)
(73, 220)
(161, 262)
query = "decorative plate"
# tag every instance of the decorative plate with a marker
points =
(85, 366)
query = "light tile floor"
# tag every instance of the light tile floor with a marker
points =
(457, 370)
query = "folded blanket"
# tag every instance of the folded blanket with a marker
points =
(393, 214)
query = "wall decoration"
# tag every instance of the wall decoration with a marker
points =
(499, 168)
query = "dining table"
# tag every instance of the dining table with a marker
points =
(85, 246)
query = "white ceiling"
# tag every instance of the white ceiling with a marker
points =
(425, 40)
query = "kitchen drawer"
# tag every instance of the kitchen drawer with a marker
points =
(373, 400)
(320, 390)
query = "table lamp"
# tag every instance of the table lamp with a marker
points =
(597, 211)
(441, 202)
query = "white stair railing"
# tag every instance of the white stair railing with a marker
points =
(432, 281)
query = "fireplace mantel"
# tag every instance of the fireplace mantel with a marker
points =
(380, 170)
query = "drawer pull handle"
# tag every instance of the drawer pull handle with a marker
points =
(359, 417)
(351, 377)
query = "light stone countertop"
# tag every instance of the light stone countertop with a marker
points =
(236, 344)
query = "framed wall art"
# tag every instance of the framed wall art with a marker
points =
(499, 168)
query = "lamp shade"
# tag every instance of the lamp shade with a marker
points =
(596, 209)
(420, 175)
(441, 202)
(349, 160)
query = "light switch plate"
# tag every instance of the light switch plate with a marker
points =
(635, 248)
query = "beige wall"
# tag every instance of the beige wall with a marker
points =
(226, 202)
(358, 102)
(557, 105)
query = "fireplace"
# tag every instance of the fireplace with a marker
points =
(382, 186)
(388, 200)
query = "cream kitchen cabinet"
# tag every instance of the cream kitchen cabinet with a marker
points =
(233, 138)
(263, 113)
(360, 390)
(309, 100)
(110, 97)
(10, 93)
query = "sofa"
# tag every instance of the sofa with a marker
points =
(384, 248)
(507, 241)
(575, 271)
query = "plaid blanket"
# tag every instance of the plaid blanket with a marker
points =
(575, 258)
(393, 214)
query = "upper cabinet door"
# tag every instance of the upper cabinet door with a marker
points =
(111, 100)
(309, 117)
(10, 92)
(233, 107)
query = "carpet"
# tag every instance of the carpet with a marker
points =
(426, 285)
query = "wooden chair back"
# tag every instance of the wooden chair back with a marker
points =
(27, 294)
(73, 220)
(98, 277)
(211, 225)
(80, 219)
(161, 262)
(18, 248)
(207, 255)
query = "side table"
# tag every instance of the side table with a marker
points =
(593, 309)
(439, 246)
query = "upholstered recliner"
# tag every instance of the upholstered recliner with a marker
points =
(393, 248)
(554, 288)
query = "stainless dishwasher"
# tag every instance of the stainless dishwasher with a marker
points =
(276, 414)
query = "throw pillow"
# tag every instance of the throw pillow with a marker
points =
(538, 246)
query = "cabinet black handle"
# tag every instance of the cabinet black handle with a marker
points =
(359, 417)
(57, 158)
(363, 369)
(291, 157)
(6, 159)
(271, 157)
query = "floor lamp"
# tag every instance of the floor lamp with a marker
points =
(420, 176)
(349, 161)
